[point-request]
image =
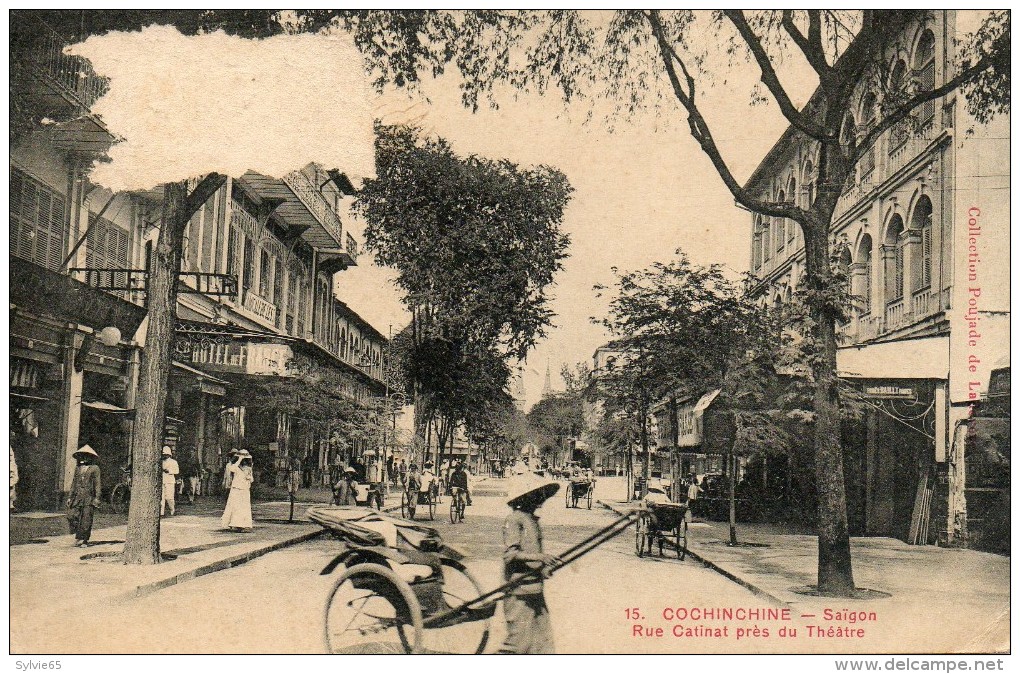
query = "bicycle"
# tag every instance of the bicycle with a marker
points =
(458, 504)
(120, 495)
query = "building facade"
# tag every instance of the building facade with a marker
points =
(922, 232)
(256, 297)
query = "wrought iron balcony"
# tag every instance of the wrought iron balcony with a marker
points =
(72, 76)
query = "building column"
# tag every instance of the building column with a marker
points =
(70, 414)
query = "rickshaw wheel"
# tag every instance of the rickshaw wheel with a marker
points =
(432, 508)
(641, 535)
(591, 495)
(567, 494)
(459, 587)
(681, 539)
(404, 505)
(454, 512)
(372, 610)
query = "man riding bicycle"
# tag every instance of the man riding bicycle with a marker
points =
(459, 483)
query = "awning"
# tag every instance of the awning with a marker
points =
(42, 290)
(25, 396)
(206, 382)
(101, 406)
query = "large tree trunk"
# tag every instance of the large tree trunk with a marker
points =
(142, 540)
(835, 571)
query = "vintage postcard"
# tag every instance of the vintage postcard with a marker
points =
(511, 331)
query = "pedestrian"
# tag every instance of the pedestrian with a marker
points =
(375, 486)
(237, 514)
(225, 484)
(294, 481)
(403, 473)
(528, 629)
(194, 480)
(693, 491)
(170, 472)
(344, 487)
(83, 499)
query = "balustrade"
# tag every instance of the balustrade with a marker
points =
(895, 315)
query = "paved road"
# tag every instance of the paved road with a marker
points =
(275, 604)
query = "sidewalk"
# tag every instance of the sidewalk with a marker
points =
(958, 598)
(46, 569)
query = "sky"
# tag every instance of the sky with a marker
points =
(642, 190)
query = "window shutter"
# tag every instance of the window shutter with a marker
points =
(926, 255)
(926, 82)
(898, 290)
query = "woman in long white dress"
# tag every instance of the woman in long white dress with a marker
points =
(237, 514)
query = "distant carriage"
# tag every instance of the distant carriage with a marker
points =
(578, 490)
(664, 524)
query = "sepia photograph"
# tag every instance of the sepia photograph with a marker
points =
(518, 331)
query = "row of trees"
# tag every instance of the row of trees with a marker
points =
(475, 244)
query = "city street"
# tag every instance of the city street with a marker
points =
(275, 603)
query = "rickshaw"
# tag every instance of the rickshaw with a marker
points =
(664, 524)
(412, 497)
(580, 489)
(401, 589)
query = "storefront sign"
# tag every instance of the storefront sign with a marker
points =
(268, 358)
(889, 392)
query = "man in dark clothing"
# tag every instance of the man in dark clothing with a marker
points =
(83, 499)
(459, 480)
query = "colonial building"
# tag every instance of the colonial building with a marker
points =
(923, 231)
(256, 295)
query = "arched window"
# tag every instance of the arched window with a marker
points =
(847, 137)
(921, 221)
(791, 227)
(897, 85)
(780, 225)
(809, 184)
(894, 263)
(864, 259)
(869, 114)
(924, 72)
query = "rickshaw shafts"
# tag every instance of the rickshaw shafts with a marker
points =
(566, 557)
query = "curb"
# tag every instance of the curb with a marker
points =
(221, 564)
(708, 563)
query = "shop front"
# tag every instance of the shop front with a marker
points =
(73, 372)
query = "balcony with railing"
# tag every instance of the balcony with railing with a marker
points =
(924, 303)
(315, 203)
(895, 314)
(43, 52)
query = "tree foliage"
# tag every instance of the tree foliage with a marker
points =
(475, 244)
